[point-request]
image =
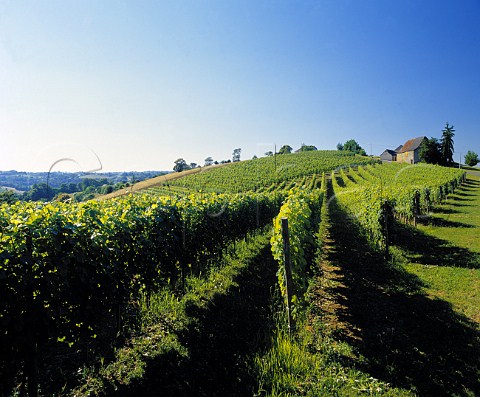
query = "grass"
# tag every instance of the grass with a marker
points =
(317, 360)
(458, 219)
(407, 326)
(460, 287)
(445, 251)
(399, 332)
(314, 363)
(195, 344)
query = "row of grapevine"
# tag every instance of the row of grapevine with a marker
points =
(366, 205)
(302, 210)
(373, 193)
(256, 174)
(416, 188)
(308, 181)
(64, 267)
(166, 190)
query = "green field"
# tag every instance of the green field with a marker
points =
(180, 288)
(270, 172)
(450, 266)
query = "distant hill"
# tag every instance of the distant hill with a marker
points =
(160, 180)
(23, 181)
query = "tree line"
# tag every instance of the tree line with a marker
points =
(351, 146)
(86, 189)
(440, 151)
(77, 192)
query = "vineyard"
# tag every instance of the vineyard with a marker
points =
(374, 194)
(267, 173)
(101, 298)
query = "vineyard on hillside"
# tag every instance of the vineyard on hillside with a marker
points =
(374, 194)
(267, 173)
(72, 276)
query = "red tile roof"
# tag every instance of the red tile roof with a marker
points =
(412, 144)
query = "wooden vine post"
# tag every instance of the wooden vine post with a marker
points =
(386, 226)
(288, 272)
(416, 207)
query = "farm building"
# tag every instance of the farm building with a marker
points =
(390, 155)
(410, 152)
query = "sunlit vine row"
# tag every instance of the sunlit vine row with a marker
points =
(254, 175)
(409, 190)
(64, 267)
(302, 211)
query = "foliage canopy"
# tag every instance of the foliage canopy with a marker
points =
(471, 159)
(352, 146)
(446, 144)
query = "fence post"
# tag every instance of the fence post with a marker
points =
(386, 220)
(288, 272)
(416, 207)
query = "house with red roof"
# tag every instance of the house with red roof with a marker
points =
(410, 151)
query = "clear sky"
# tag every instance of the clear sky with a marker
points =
(138, 84)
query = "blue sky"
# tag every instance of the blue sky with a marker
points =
(138, 84)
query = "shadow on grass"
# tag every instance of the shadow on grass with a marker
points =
(456, 197)
(455, 204)
(441, 210)
(465, 193)
(433, 221)
(430, 250)
(339, 180)
(471, 183)
(462, 194)
(221, 340)
(408, 339)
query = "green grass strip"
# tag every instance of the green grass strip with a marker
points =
(164, 319)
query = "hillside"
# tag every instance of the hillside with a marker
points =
(157, 181)
(195, 289)
(262, 174)
(23, 181)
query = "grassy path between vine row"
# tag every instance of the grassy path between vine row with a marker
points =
(221, 340)
(445, 250)
(406, 337)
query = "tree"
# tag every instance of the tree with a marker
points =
(269, 153)
(39, 191)
(285, 149)
(208, 161)
(471, 159)
(306, 148)
(180, 165)
(446, 144)
(430, 151)
(339, 146)
(254, 157)
(353, 146)
(236, 155)
(106, 189)
(8, 196)
(193, 165)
